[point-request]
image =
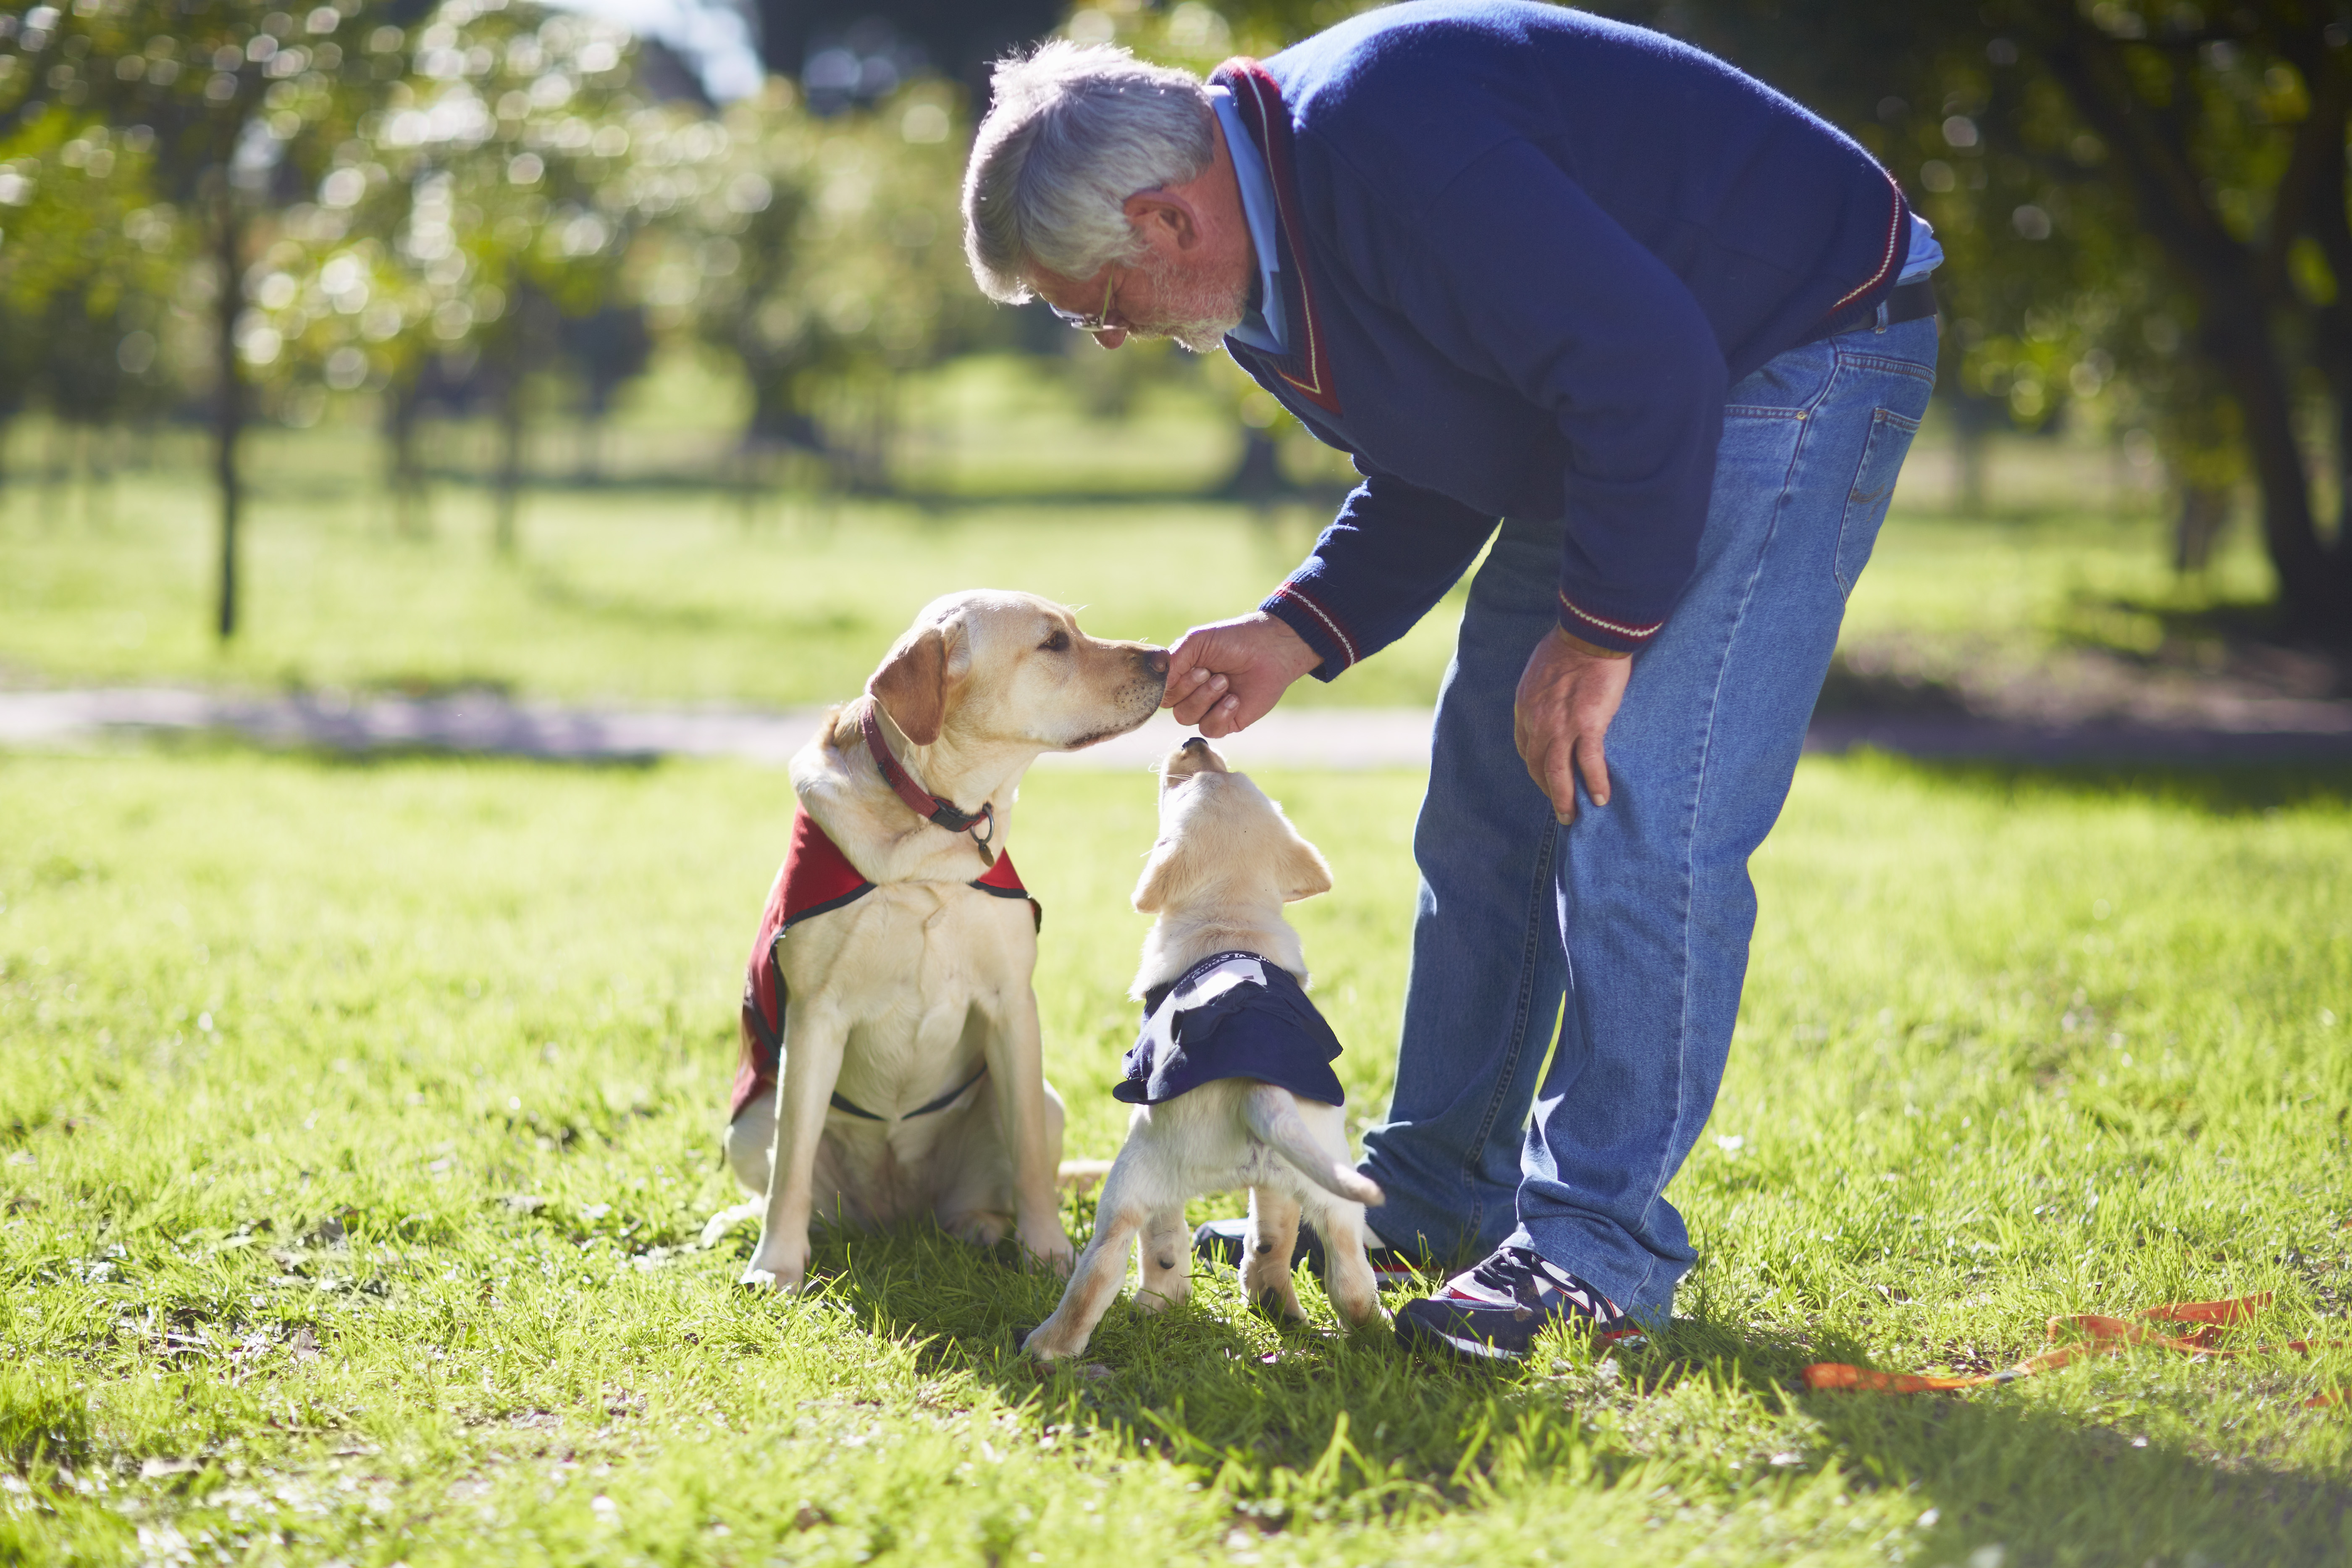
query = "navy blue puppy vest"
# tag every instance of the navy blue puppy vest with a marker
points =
(1235, 1015)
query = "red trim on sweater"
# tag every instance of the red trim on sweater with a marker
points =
(1886, 261)
(1634, 633)
(1329, 622)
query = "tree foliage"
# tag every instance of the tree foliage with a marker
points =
(822, 253)
(2147, 195)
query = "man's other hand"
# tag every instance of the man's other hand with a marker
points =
(1226, 676)
(1567, 697)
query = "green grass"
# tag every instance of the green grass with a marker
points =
(649, 593)
(630, 595)
(283, 1041)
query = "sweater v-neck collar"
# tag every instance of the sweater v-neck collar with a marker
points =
(1258, 101)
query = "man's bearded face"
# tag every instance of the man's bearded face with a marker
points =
(1197, 312)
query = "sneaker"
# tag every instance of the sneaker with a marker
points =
(1223, 1242)
(1494, 1311)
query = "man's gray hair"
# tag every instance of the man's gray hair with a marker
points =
(1076, 129)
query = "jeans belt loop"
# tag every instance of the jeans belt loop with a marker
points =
(1879, 324)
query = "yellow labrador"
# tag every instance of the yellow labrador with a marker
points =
(1232, 1079)
(904, 1076)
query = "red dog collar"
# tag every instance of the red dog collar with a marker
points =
(921, 802)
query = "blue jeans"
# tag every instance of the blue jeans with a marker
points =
(1637, 916)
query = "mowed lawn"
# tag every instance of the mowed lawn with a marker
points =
(656, 595)
(356, 1121)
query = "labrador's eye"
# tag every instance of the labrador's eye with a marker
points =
(1057, 643)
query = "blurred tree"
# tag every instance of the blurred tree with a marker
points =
(2151, 193)
(490, 195)
(822, 254)
(224, 89)
(859, 51)
(88, 262)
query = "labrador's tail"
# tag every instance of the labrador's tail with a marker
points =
(1273, 1114)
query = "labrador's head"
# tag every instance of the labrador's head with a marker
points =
(1222, 844)
(989, 667)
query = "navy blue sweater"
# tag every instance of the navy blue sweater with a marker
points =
(1526, 251)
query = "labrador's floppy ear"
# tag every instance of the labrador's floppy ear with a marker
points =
(912, 685)
(1163, 875)
(1303, 870)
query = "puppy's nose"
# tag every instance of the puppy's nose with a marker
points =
(1156, 662)
(1195, 743)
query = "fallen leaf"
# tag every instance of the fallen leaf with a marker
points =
(305, 1344)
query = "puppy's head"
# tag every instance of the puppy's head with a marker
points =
(992, 666)
(1222, 844)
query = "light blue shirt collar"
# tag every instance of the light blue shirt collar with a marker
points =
(1263, 328)
(1926, 254)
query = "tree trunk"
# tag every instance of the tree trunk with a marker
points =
(2241, 301)
(404, 478)
(510, 432)
(2204, 512)
(1257, 477)
(228, 413)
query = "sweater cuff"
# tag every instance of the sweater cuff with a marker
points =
(1619, 637)
(1316, 627)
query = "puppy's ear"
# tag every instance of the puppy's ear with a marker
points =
(1163, 874)
(912, 685)
(1303, 870)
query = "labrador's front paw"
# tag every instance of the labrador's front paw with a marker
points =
(769, 1272)
(726, 1220)
(1055, 1254)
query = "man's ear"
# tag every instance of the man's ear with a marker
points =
(1163, 220)
(912, 685)
(1304, 872)
(1163, 875)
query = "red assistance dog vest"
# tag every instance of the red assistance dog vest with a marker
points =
(815, 879)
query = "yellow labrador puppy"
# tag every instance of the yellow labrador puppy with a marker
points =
(890, 1063)
(1232, 1079)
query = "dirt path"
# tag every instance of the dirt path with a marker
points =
(1349, 737)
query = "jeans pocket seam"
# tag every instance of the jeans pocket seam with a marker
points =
(1851, 527)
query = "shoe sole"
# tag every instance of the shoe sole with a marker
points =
(1416, 1335)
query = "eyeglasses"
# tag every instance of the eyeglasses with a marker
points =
(1100, 318)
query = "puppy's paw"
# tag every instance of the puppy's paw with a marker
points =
(1158, 1299)
(1281, 1304)
(1045, 1346)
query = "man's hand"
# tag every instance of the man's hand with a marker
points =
(1225, 676)
(1567, 697)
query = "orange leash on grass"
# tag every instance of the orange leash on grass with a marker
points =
(2102, 1336)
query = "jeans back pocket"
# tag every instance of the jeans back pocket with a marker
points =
(1874, 487)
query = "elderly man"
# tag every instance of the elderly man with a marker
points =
(1673, 334)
